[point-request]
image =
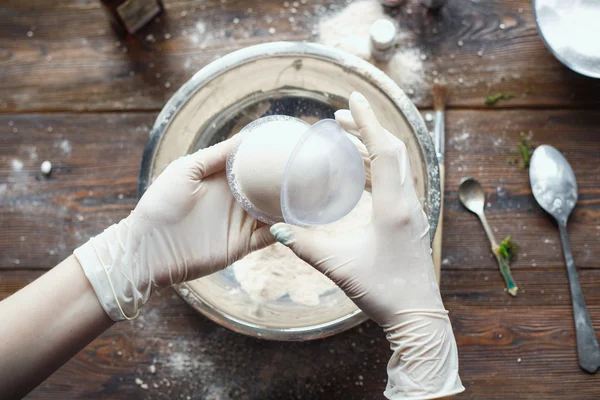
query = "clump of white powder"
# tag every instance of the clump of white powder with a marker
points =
(571, 28)
(406, 68)
(259, 163)
(349, 30)
(17, 165)
(275, 271)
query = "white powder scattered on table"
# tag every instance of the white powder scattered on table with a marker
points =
(349, 30)
(406, 69)
(64, 145)
(460, 142)
(16, 164)
(275, 271)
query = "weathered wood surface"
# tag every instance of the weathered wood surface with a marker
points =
(62, 55)
(202, 360)
(96, 161)
(96, 158)
(93, 183)
(73, 93)
(479, 144)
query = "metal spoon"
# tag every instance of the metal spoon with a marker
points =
(555, 189)
(472, 196)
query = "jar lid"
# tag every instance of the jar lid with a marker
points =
(383, 34)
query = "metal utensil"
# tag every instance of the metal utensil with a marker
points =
(555, 189)
(472, 196)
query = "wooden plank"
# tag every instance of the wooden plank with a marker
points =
(96, 160)
(479, 143)
(12, 281)
(202, 360)
(63, 55)
(538, 287)
(71, 61)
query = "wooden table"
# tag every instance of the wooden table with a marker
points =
(74, 93)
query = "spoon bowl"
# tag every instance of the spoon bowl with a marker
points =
(553, 182)
(471, 195)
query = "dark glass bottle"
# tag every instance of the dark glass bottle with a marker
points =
(130, 15)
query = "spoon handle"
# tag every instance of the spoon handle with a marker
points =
(587, 344)
(511, 285)
(488, 230)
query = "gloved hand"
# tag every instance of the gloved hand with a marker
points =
(187, 225)
(387, 270)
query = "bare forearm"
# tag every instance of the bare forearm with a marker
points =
(44, 325)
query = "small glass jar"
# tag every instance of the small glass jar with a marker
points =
(383, 39)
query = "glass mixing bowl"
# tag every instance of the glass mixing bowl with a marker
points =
(306, 81)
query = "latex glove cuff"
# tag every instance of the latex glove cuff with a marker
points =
(109, 268)
(425, 360)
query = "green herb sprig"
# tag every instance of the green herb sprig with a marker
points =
(494, 98)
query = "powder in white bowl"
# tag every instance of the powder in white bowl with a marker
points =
(572, 30)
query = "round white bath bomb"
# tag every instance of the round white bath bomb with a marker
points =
(46, 167)
(261, 159)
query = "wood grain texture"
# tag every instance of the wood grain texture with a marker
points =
(479, 143)
(63, 55)
(200, 359)
(96, 162)
(74, 93)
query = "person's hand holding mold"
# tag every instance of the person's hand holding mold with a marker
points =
(388, 270)
(187, 225)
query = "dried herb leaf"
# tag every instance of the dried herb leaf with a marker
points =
(494, 98)
(508, 249)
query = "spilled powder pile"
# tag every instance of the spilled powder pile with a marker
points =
(349, 30)
(275, 271)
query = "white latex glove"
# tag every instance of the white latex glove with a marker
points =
(187, 225)
(388, 270)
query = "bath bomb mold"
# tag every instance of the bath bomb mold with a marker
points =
(285, 170)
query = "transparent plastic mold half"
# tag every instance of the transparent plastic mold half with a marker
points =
(285, 170)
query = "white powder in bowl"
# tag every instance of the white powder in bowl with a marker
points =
(275, 271)
(571, 28)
